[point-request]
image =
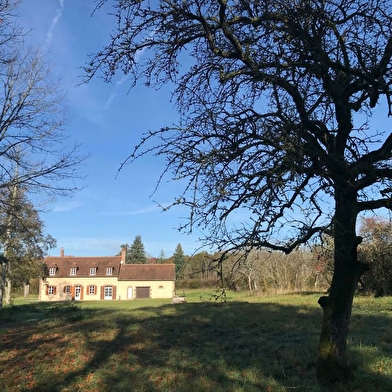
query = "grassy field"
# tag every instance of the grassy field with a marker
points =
(245, 344)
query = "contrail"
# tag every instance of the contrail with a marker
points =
(113, 95)
(55, 20)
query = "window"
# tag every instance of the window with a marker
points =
(108, 293)
(52, 271)
(109, 270)
(67, 289)
(78, 293)
(51, 290)
(93, 271)
(73, 271)
(91, 290)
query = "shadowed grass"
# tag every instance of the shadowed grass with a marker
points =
(261, 344)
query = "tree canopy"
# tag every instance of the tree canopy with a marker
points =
(275, 101)
(266, 97)
(33, 117)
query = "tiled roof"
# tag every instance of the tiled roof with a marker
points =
(64, 264)
(147, 272)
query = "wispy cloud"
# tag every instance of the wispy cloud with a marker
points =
(139, 211)
(68, 206)
(55, 20)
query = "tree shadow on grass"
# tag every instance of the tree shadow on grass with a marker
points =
(187, 347)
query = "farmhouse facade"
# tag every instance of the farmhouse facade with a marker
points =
(104, 278)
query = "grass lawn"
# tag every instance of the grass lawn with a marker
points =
(245, 344)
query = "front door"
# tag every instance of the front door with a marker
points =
(130, 293)
(78, 291)
(108, 293)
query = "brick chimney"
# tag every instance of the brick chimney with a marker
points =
(62, 252)
(123, 254)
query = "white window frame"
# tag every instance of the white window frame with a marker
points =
(92, 290)
(78, 292)
(52, 271)
(73, 271)
(109, 270)
(93, 270)
(68, 289)
(108, 292)
(51, 290)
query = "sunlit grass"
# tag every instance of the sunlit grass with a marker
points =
(248, 343)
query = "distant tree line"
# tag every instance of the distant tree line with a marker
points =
(308, 268)
(258, 271)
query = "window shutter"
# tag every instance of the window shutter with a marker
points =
(91, 289)
(114, 292)
(54, 290)
(73, 292)
(47, 290)
(81, 293)
(102, 291)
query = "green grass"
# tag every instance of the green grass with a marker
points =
(245, 344)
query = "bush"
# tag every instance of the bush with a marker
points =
(376, 251)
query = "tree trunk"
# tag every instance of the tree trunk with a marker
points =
(250, 284)
(331, 362)
(2, 283)
(26, 289)
(7, 293)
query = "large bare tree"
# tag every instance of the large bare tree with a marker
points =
(275, 101)
(33, 117)
(36, 153)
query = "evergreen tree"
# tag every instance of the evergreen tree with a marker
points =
(161, 257)
(179, 261)
(136, 253)
(22, 241)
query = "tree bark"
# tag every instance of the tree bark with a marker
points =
(2, 282)
(331, 362)
(26, 289)
(8, 284)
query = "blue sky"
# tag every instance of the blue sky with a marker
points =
(108, 120)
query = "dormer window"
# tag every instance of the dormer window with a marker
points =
(73, 271)
(52, 271)
(93, 270)
(109, 270)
